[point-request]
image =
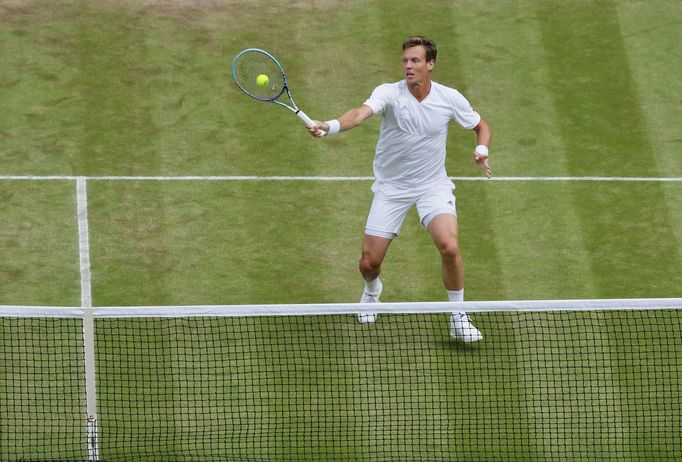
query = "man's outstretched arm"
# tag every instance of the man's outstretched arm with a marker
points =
(348, 120)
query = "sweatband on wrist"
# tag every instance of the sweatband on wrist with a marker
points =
(334, 127)
(482, 150)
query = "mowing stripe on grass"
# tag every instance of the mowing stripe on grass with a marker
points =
(588, 63)
(603, 129)
(116, 130)
(600, 133)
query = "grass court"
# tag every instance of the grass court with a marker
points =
(142, 89)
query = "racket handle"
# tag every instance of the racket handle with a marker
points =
(308, 121)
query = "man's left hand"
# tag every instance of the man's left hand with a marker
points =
(484, 164)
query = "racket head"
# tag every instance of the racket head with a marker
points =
(252, 62)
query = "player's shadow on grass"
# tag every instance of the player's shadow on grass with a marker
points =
(452, 344)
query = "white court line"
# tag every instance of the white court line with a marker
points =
(88, 318)
(83, 241)
(329, 178)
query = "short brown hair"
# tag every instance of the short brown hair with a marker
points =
(427, 43)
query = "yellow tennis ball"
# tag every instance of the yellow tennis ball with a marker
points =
(262, 80)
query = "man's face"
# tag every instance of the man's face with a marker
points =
(415, 67)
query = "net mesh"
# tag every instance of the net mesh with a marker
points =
(559, 385)
(42, 389)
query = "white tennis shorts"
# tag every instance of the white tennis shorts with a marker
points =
(387, 214)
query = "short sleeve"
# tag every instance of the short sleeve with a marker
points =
(465, 115)
(381, 97)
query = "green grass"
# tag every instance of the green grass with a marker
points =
(586, 88)
(39, 244)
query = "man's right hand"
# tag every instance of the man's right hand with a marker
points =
(319, 129)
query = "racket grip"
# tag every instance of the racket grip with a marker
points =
(308, 121)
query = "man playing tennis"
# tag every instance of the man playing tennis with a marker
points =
(409, 170)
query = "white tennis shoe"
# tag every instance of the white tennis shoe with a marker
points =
(367, 318)
(461, 328)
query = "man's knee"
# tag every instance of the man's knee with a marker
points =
(373, 252)
(449, 251)
(369, 264)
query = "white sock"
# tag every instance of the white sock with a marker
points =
(373, 287)
(456, 295)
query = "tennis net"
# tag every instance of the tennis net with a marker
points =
(552, 380)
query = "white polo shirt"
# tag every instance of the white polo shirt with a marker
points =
(410, 153)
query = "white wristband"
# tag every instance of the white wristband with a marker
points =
(334, 127)
(482, 150)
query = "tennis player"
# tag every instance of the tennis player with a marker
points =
(409, 170)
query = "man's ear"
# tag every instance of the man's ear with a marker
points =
(429, 65)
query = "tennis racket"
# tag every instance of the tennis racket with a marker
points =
(260, 75)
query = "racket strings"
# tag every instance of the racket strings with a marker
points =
(253, 64)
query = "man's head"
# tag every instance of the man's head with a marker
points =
(419, 57)
(419, 40)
